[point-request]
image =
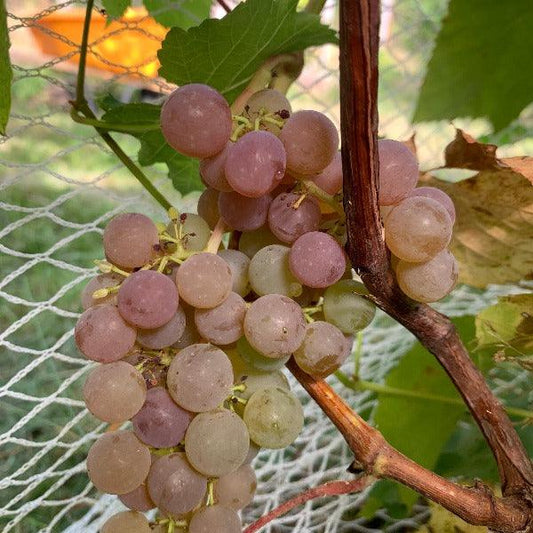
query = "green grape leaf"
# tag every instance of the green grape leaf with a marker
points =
(182, 14)
(115, 8)
(482, 63)
(384, 494)
(6, 73)
(225, 53)
(182, 170)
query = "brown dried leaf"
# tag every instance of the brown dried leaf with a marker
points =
(521, 165)
(493, 234)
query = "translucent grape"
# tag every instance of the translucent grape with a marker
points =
(129, 240)
(114, 392)
(255, 381)
(190, 334)
(274, 417)
(311, 141)
(138, 499)
(215, 518)
(439, 196)
(236, 489)
(147, 299)
(174, 485)
(238, 263)
(417, 229)
(275, 325)
(288, 222)
(252, 241)
(317, 260)
(222, 324)
(118, 462)
(257, 360)
(212, 170)
(330, 179)
(196, 120)
(217, 442)
(346, 307)
(429, 281)
(102, 334)
(193, 232)
(255, 164)
(160, 422)
(269, 272)
(204, 280)
(103, 281)
(129, 521)
(323, 350)
(208, 207)
(200, 377)
(166, 335)
(241, 213)
(267, 101)
(398, 171)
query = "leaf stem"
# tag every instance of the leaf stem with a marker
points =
(126, 128)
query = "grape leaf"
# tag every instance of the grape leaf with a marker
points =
(225, 53)
(115, 8)
(183, 13)
(6, 73)
(482, 63)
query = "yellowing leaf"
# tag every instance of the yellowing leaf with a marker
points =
(442, 521)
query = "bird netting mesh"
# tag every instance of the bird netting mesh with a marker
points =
(59, 186)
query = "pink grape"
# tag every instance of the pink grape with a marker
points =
(164, 336)
(215, 518)
(267, 101)
(102, 281)
(196, 120)
(129, 521)
(255, 164)
(212, 170)
(138, 499)
(317, 260)
(103, 335)
(147, 299)
(330, 179)
(242, 213)
(208, 207)
(398, 171)
(239, 264)
(436, 194)
(236, 489)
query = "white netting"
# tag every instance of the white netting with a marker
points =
(60, 184)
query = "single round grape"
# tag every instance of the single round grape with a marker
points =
(102, 335)
(200, 377)
(222, 324)
(255, 164)
(174, 485)
(196, 120)
(252, 241)
(255, 381)
(217, 442)
(417, 229)
(267, 101)
(208, 207)
(129, 240)
(160, 422)
(130, 521)
(238, 263)
(236, 489)
(346, 307)
(212, 170)
(269, 272)
(439, 196)
(242, 213)
(257, 360)
(114, 392)
(204, 280)
(252, 453)
(215, 518)
(102, 281)
(311, 141)
(138, 499)
(147, 299)
(190, 334)
(289, 217)
(323, 350)
(275, 325)
(166, 335)
(398, 171)
(429, 281)
(317, 260)
(330, 179)
(193, 232)
(274, 418)
(118, 462)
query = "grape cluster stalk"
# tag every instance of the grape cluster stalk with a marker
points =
(192, 335)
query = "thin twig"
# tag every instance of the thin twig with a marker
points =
(224, 6)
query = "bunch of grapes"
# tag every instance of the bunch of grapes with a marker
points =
(193, 326)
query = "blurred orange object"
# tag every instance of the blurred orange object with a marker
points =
(126, 46)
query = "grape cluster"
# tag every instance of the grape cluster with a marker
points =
(192, 334)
